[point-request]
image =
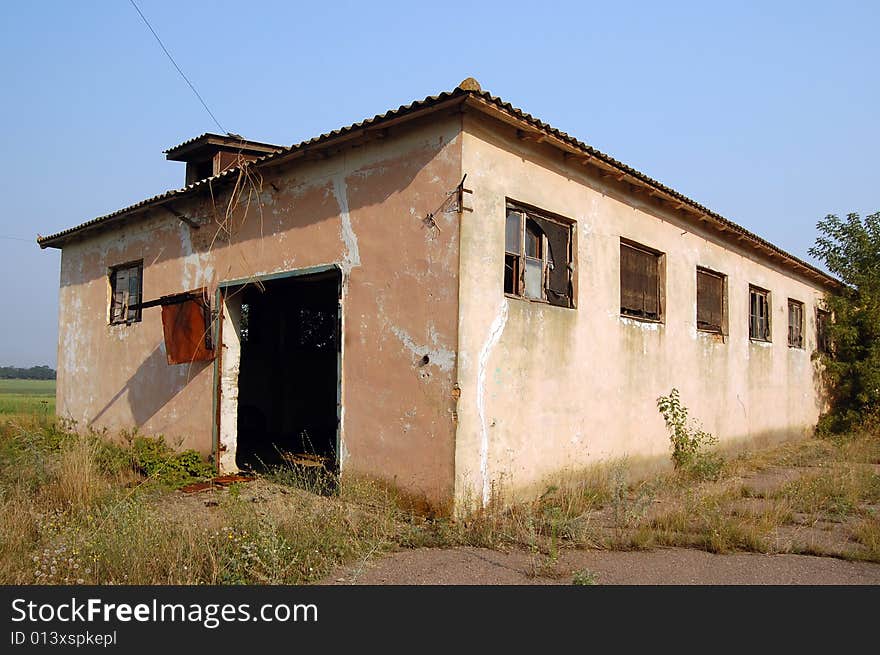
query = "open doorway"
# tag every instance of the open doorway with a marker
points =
(287, 331)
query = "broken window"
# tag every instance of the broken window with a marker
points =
(538, 257)
(126, 285)
(823, 336)
(710, 301)
(759, 314)
(640, 281)
(795, 324)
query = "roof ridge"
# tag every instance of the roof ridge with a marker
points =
(469, 87)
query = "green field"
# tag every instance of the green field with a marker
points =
(27, 396)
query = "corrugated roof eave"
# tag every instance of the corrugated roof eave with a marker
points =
(56, 240)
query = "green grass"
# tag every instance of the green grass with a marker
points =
(27, 397)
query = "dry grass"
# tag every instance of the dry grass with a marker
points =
(833, 480)
(74, 509)
(839, 491)
(77, 482)
(867, 533)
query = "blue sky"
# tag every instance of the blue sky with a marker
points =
(764, 112)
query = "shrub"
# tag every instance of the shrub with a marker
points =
(158, 461)
(689, 441)
(850, 249)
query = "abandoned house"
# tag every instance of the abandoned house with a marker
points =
(449, 297)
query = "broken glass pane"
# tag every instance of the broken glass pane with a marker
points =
(533, 278)
(533, 240)
(513, 232)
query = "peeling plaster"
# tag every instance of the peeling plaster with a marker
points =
(198, 270)
(73, 336)
(443, 358)
(495, 331)
(352, 257)
(230, 368)
(650, 326)
(343, 449)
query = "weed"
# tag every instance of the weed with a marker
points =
(161, 464)
(867, 534)
(585, 577)
(689, 440)
(629, 507)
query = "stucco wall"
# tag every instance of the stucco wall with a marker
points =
(361, 209)
(547, 389)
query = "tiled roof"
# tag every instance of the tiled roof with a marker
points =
(470, 92)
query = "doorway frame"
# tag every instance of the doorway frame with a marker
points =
(219, 303)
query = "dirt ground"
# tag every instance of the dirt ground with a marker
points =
(679, 566)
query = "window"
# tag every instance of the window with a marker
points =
(538, 257)
(710, 301)
(823, 337)
(795, 324)
(640, 282)
(125, 292)
(759, 314)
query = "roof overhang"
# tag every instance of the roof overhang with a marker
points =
(530, 128)
(210, 142)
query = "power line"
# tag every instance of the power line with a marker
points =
(185, 78)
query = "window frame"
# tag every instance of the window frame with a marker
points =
(799, 343)
(823, 337)
(766, 295)
(128, 318)
(661, 280)
(723, 328)
(515, 263)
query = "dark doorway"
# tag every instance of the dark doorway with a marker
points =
(288, 381)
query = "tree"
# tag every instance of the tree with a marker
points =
(850, 249)
(32, 373)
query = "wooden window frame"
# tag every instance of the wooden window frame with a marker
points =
(723, 328)
(128, 316)
(823, 338)
(767, 297)
(798, 340)
(515, 261)
(661, 281)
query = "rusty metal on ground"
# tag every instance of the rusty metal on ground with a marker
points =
(219, 481)
(304, 459)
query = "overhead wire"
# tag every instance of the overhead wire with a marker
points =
(182, 74)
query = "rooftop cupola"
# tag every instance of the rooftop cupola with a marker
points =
(210, 154)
